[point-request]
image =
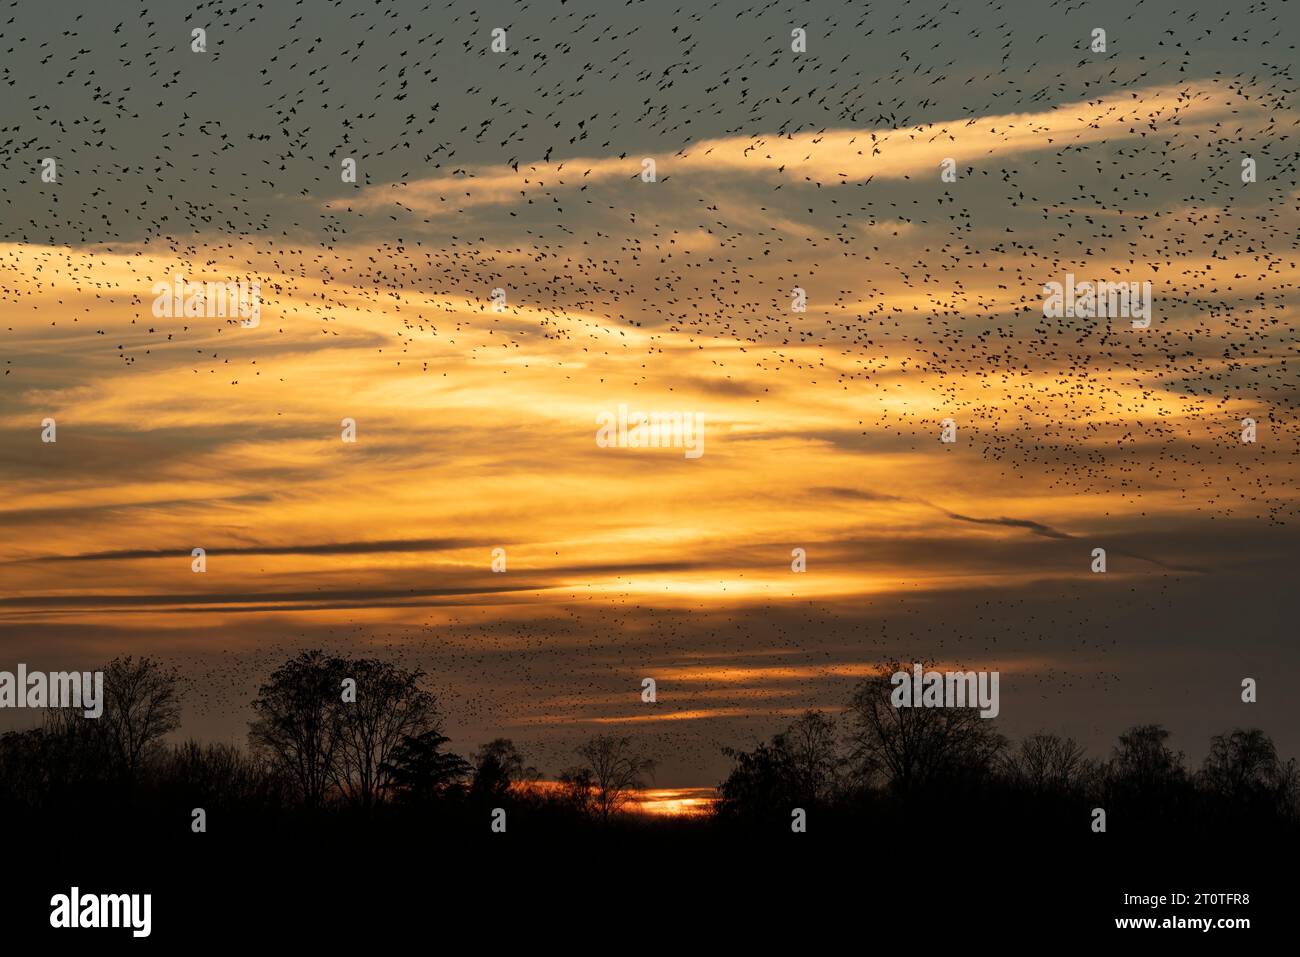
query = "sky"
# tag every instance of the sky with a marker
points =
(476, 429)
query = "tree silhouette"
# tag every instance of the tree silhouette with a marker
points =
(1143, 761)
(141, 705)
(617, 768)
(299, 721)
(911, 748)
(1146, 781)
(1244, 772)
(814, 761)
(578, 790)
(52, 766)
(419, 770)
(760, 784)
(801, 767)
(76, 749)
(390, 706)
(222, 776)
(1046, 763)
(498, 765)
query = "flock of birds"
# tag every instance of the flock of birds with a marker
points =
(233, 154)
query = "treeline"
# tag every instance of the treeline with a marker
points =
(333, 739)
(878, 766)
(359, 741)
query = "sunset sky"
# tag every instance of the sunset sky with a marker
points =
(476, 429)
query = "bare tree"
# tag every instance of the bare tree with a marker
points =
(141, 705)
(223, 776)
(578, 789)
(1047, 762)
(912, 747)
(1143, 762)
(1243, 768)
(390, 705)
(1147, 778)
(299, 719)
(813, 755)
(617, 769)
(1239, 763)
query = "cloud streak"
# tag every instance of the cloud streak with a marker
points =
(828, 157)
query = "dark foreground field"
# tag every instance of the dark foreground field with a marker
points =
(662, 885)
